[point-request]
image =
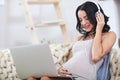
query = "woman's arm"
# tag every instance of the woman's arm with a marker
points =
(103, 42)
(69, 55)
(102, 46)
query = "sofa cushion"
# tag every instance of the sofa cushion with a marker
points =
(59, 53)
(115, 64)
(7, 67)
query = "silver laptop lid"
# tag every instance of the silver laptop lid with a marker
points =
(33, 60)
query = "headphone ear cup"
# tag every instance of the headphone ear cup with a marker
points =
(96, 13)
(99, 11)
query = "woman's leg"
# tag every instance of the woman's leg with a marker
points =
(31, 78)
(55, 78)
(42, 78)
(50, 78)
(45, 78)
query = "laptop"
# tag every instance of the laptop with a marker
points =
(33, 60)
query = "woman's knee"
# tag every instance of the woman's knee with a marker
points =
(31, 78)
(45, 78)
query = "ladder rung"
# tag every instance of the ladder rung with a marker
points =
(42, 1)
(53, 21)
(49, 24)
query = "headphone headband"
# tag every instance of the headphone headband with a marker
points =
(97, 6)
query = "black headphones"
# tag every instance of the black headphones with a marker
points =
(97, 6)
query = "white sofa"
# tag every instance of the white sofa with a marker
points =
(59, 52)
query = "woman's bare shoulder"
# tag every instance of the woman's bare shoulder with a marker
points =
(110, 34)
(78, 38)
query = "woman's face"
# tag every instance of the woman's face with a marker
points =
(85, 23)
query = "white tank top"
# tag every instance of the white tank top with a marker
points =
(81, 63)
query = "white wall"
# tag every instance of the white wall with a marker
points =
(112, 13)
(117, 2)
(14, 33)
(2, 23)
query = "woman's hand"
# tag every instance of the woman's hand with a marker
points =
(63, 71)
(100, 21)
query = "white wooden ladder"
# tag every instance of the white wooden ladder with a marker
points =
(32, 26)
